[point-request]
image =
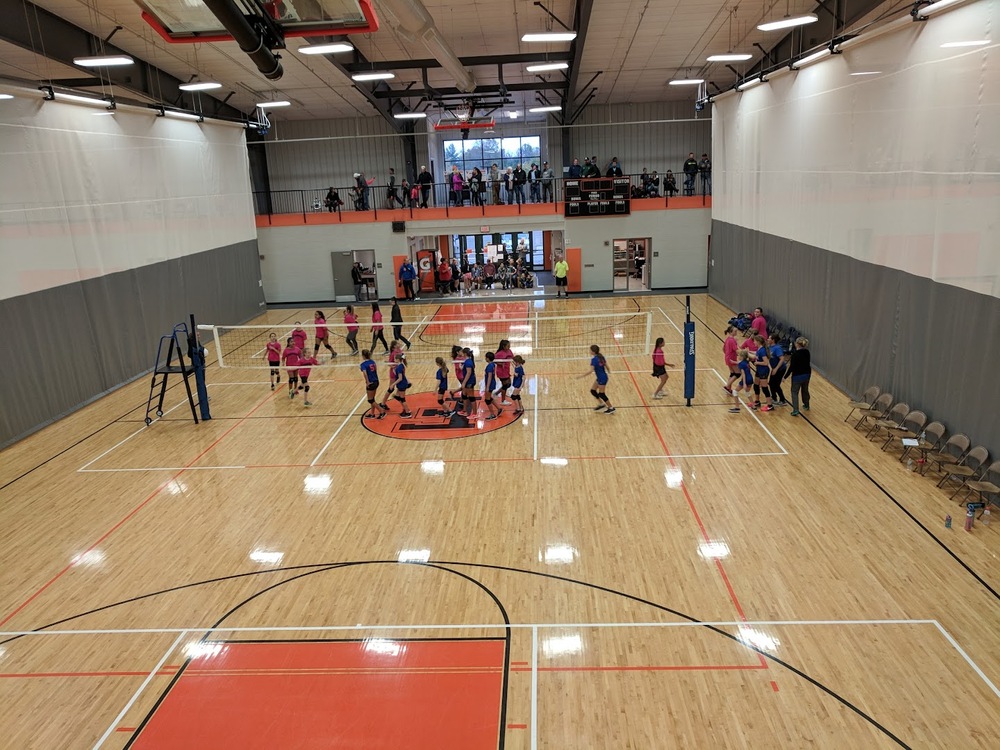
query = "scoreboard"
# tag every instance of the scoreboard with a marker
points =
(597, 196)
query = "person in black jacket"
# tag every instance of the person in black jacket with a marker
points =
(425, 180)
(690, 170)
(800, 370)
(332, 201)
(519, 178)
(614, 168)
(358, 280)
(396, 318)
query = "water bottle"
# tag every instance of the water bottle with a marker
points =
(909, 464)
(985, 520)
(923, 436)
(970, 517)
(947, 521)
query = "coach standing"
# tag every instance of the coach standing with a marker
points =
(561, 272)
(407, 273)
(396, 318)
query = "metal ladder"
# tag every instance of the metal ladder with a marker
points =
(171, 345)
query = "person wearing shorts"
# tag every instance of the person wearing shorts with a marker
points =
(489, 382)
(402, 385)
(274, 359)
(744, 381)
(305, 368)
(729, 349)
(369, 371)
(442, 387)
(351, 321)
(599, 369)
(503, 359)
(517, 383)
(290, 358)
(322, 335)
(762, 374)
(561, 272)
(469, 383)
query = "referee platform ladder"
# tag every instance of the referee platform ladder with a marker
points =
(171, 346)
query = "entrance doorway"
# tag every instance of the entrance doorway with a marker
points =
(631, 265)
(527, 246)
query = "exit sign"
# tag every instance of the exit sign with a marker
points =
(484, 230)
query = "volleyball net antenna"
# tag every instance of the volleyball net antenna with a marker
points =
(537, 336)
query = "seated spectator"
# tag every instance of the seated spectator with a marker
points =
(489, 274)
(669, 184)
(653, 187)
(332, 201)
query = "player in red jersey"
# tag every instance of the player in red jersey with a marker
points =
(322, 335)
(290, 358)
(305, 368)
(273, 350)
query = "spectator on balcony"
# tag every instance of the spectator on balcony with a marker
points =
(705, 168)
(457, 185)
(332, 200)
(653, 188)
(585, 172)
(425, 180)
(548, 177)
(575, 170)
(476, 186)
(391, 196)
(669, 184)
(690, 170)
(595, 171)
(614, 168)
(404, 188)
(534, 184)
(644, 182)
(519, 178)
(508, 186)
(496, 181)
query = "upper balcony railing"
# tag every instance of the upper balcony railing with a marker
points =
(376, 198)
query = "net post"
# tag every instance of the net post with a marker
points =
(689, 350)
(218, 344)
(649, 332)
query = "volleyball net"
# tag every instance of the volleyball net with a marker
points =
(536, 336)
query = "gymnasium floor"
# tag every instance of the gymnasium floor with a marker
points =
(661, 577)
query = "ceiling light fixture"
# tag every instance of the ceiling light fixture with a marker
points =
(375, 76)
(550, 36)
(410, 115)
(183, 115)
(325, 49)
(686, 81)
(553, 108)
(91, 100)
(751, 83)
(730, 57)
(6, 96)
(825, 52)
(788, 22)
(513, 115)
(270, 105)
(972, 43)
(200, 86)
(547, 66)
(100, 61)
(929, 10)
(867, 73)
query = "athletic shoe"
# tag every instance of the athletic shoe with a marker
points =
(307, 403)
(766, 407)
(406, 415)
(407, 344)
(610, 410)
(272, 386)
(369, 415)
(333, 355)
(805, 406)
(793, 414)
(735, 410)
(291, 394)
(658, 395)
(506, 403)
(382, 415)
(384, 406)
(492, 417)
(599, 408)
(728, 390)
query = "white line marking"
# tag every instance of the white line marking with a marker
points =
(158, 468)
(534, 688)
(671, 321)
(967, 658)
(137, 693)
(343, 424)
(538, 394)
(471, 626)
(700, 455)
(119, 444)
(754, 415)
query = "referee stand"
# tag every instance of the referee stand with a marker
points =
(170, 361)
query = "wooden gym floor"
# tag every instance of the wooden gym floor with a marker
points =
(661, 577)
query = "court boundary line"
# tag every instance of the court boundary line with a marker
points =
(538, 394)
(754, 415)
(338, 430)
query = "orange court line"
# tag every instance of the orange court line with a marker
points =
(125, 729)
(517, 726)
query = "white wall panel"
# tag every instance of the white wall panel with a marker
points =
(901, 168)
(83, 195)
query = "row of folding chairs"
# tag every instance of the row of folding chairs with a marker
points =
(954, 457)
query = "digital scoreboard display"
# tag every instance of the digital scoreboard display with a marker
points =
(597, 196)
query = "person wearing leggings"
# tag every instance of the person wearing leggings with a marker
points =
(779, 366)
(800, 370)
(378, 332)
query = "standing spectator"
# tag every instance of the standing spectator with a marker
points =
(456, 276)
(508, 186)
(705, 167)
(519, 178)
(690, 170)
(391, 196)
(456, 184)
(404, 188)
(332, 200)
(476, 186)
(444, 277)
(669, 183)
(407, 273)
(595, 171)
(614, 168)
(585, 172)
(495, 182)
(425, 180)
(396, 318)
(759, 323)
(800, 371)
(358, 280)
(575, 170)
(363, 187)
(547, 179)
(561, 271)
(534, 184)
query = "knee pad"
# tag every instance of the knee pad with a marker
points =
(516, 397)
(603, 397)
(398, 398)
(307, 388)
(593, 392)
(371, 402)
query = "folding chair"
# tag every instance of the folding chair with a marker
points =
(933, 438)
(970, 468)
(911, 427)
(866, 401)
(878, 410)
(894, 418)
(952, 452)
(986, 486)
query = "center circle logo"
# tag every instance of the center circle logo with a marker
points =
(427, 423)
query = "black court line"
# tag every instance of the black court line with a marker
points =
(955, 556)
(323, 567)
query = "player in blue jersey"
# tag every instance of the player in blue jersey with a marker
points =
(370, 372)
(402, 385)
(744, 380)
(490, 382)
(515, 394)
(442, 380)
(469, 383)
(599, 368)
(762, 374)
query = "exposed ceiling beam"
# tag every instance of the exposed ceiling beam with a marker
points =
(528, 57)
(34, 28)
(480, 90)
(582, 23)
(379, 95)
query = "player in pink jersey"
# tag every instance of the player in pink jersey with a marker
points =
(729, 350)
(273, 351)
(322, 335)
(305, 368)
(299, 336)
(351, 320)
(290, 358)
(458, 360)
(378, 334)
(395, 349)
(660, 366)
(503, 358)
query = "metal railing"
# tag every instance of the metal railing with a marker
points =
(443, 195)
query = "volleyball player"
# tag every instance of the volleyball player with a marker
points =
(744, 380)
(458, 360)
(469, 383)
(503, 358)
(402, 385)
(377, 333)
(489, 382)
(442, 381)
(660, 366)
(305, 368)
(779, 366)
(599, 368)
(274, 358)
(370, 372)
(300, 336)
(394, 351)
(729, 350)
(515, 394)
(290, 358)
(351, 321)
(322, 335)
(762, 374)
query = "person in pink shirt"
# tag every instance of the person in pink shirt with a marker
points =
(444, 277)
(729, 350)
(748, 342)
(299, 336)
(290, 358)
(322, 335)
(305, 368)
(759, 324)
(273, 350)
(351, 321)
(377, 333)
(502, 360)
(395, 349)
(660, 366)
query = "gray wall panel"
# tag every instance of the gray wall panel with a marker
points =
(933, 345)
(99, 333)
